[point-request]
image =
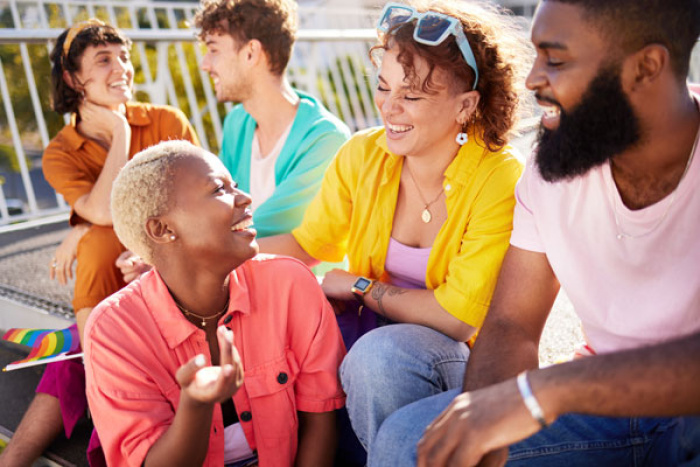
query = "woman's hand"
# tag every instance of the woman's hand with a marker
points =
(131, 266)
(100, 123)
(213, 384)
(61, 266)
(337, 284)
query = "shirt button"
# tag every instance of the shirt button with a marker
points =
(282, 378)
(228, 319)
(246, 416)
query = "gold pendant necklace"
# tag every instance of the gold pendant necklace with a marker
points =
(426, 216)
(203, 318)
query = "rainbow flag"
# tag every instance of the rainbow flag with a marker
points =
(47, 345)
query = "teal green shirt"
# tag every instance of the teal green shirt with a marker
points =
(315, 137)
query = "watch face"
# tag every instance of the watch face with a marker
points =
(361, 284)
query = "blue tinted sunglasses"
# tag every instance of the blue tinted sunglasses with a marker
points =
(432, 28)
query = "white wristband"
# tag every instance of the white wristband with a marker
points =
(529, 398)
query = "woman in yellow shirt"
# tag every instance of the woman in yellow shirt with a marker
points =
(422, 206)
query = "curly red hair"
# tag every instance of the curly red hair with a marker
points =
(501, 52)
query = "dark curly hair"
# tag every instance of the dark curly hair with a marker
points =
(502, 55)
(272, 22)
(64, 98)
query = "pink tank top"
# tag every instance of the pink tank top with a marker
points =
(406, 266)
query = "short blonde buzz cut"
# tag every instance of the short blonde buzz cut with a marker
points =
(143, 190)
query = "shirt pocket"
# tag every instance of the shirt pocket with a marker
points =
(270, 387)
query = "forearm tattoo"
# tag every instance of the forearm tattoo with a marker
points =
(378, 292)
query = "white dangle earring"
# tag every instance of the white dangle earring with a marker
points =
(462, 137)
(172, 237)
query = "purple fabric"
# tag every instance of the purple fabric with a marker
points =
(66, 381)
(407, 266)
(352, 326)
(95, 455)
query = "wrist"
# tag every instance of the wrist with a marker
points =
(530, 401)
(360, 288)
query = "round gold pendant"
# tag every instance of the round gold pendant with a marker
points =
(426, 216)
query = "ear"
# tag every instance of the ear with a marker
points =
(158, 231)
(467, 102)
(254, 51)
(648, 64)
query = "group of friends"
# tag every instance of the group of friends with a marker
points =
(201, 350)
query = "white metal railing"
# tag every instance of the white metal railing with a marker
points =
(330, 61)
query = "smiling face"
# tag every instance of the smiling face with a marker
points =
(417, 123)
(225, 63)
(106, 75)
(210, 218)
(587, 118)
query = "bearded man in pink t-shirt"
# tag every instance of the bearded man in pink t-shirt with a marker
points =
(607, 209)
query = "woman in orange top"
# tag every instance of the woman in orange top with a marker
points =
(92, 79)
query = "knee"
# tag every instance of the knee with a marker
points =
(98, 249)
(395, 442)
(374, 357)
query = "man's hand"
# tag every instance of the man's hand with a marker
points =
(131, 266)
(213, 384)
(477, 428)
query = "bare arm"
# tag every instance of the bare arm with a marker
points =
(317, 439)
(509, 340)
(286, 244)
(398, 304)
(618, 384)
(112, 128)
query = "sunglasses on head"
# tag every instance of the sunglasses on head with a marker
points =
(432, 28)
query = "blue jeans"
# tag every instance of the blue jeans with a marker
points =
(393, 366)
(572, 441)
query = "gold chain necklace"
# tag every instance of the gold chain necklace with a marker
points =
(203, 318)
(621, 234)
(426, 216)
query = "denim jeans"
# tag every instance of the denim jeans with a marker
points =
(572, 441)
(393, 366)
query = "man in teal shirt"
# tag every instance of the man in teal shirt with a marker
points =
(277, 141)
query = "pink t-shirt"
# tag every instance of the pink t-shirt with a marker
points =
(628, 292)
(284, 330)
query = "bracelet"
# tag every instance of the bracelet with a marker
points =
(529, 398)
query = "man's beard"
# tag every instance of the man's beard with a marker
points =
(602, 126)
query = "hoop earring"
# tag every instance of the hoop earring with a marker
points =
(462, 137)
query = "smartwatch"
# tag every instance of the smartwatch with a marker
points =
(360, 288)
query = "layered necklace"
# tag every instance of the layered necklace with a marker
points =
(621, 234)
(426, 216)
(203, 318)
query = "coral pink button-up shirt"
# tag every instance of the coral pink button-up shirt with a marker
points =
(284, 330)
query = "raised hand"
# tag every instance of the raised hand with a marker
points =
(213, 384)
(101, 123)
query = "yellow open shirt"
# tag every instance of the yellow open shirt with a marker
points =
(354, 211)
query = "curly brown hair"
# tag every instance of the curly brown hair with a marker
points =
(63, 97)
(502, 55)
(271, 22)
